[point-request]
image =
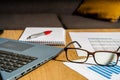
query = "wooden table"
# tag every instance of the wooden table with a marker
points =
(53, 70)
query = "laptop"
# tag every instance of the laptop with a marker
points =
(17, 58)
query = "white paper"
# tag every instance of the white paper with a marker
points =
(108, 41)
(92, 75)
(83, 39)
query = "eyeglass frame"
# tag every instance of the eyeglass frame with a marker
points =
(90, 53)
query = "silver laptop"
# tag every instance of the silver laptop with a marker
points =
(18, 58)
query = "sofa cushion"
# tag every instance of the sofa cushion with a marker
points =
(103, 9)
(39, 6)
(20, 21)
(80, 22)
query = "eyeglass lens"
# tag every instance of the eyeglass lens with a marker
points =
(106, 58)
(74, 57)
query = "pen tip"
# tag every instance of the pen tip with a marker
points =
(28, 37)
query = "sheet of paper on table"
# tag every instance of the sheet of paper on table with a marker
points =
(95, 72)
(93, 41)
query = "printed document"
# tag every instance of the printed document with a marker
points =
(93, 41)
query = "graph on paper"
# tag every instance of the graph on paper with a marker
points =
(105, 71)
(93, 41)
(96, 72)
(104, 43)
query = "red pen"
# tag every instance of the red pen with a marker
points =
(39, 34)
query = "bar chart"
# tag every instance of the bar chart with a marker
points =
(106, 71)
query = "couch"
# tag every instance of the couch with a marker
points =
(18, 14)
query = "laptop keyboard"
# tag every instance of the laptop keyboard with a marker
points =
(11, 61)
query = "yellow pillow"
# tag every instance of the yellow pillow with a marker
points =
(103, 9)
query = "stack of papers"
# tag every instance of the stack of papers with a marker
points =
(93, 41)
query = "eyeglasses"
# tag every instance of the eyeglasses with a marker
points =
(105, 58)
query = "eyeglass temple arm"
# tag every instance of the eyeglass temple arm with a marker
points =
(118, 50)
(72, 43)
